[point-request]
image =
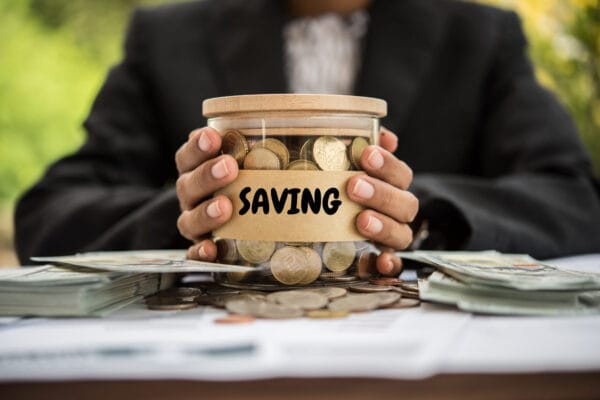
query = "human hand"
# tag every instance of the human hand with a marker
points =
(390, 207)
(201, 173)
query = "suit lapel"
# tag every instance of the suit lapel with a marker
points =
(248, 48)
(400, 46)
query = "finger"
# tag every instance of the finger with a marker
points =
(384, 230)
(202, 145)
(383, 197)
(206, 250)
(388, 139)
(209, 215)
(209, 177)
(388, 264)
(382, 164)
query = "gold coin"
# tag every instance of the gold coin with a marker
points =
(328, 291)
(338, 256)
(287, 265)
(330, 154)
(409, 294)
(262, 309)
(302, 165)
(405, 303)
(255, 251)
(326, 314)
(226, 251)
(235, 144)
(338, 278)
(313, 266)
(385, 299)
(355, 150)
(306, 150)
(262, 158)
(277, 147)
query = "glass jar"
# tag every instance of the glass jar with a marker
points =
(291, 217)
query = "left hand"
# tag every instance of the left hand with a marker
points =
(390, 207)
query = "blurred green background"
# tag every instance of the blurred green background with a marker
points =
(54, 55)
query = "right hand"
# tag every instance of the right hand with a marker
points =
(201, 173)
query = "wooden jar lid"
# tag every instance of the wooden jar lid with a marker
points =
(264, 103)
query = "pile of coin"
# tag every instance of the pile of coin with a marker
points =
(296, 263)
(308, 153)
(325, 301)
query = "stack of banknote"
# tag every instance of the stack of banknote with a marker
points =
(512, 284)
(93, 284)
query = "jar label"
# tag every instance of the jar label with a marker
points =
(291, 206)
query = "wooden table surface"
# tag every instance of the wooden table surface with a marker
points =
(507, 386)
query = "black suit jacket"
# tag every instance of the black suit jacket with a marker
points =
(497, 161)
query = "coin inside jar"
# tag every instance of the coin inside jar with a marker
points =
(226, 251)
(287, 265)
(302, 165)
(255, 251)
(262, 158)
(355, 150)
(330, 154)
(277, 147)
(338, 256)
(313, 266)
(234, 144)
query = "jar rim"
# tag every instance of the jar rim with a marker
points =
(221, 106)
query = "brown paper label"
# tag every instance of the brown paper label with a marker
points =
(291, 206)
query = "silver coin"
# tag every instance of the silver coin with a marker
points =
(385, 299)
(329, 292)
(299, 298)
(263, 309)
(355, 303)
(369, 288)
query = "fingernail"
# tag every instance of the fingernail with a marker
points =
(202, 253)
(375, 159)
(363, 189)
(213, 210)
(374, 225)
(204, 142)
(219, 170)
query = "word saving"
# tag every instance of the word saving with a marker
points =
(313, 201)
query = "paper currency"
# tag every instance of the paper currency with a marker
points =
(516, 271)
(156, 261)
(53, 291)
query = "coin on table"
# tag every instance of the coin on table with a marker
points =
(302, 165)
(338, 278)
(313, 266)
(277, 147)
(409, 294)
(338, 256)
(328, 291)
(369, 288)
(255, 251)
(326, 314)
(385, 299)
(366, 264)
(355, 150)
(182, 293)
(263, 309)
(287, 265)
(226, 251)
(405, 303)
(299, 298)
(385, 281)
(306, 150)
(169, 304)
(330, 154)
(355, 303)
(262, 158)
(235, 319)
(235, 144)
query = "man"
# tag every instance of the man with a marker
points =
(497, 162)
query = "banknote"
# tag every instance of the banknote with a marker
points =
(442, 288)
(517, 271)
(158, 261)
(50, 290)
